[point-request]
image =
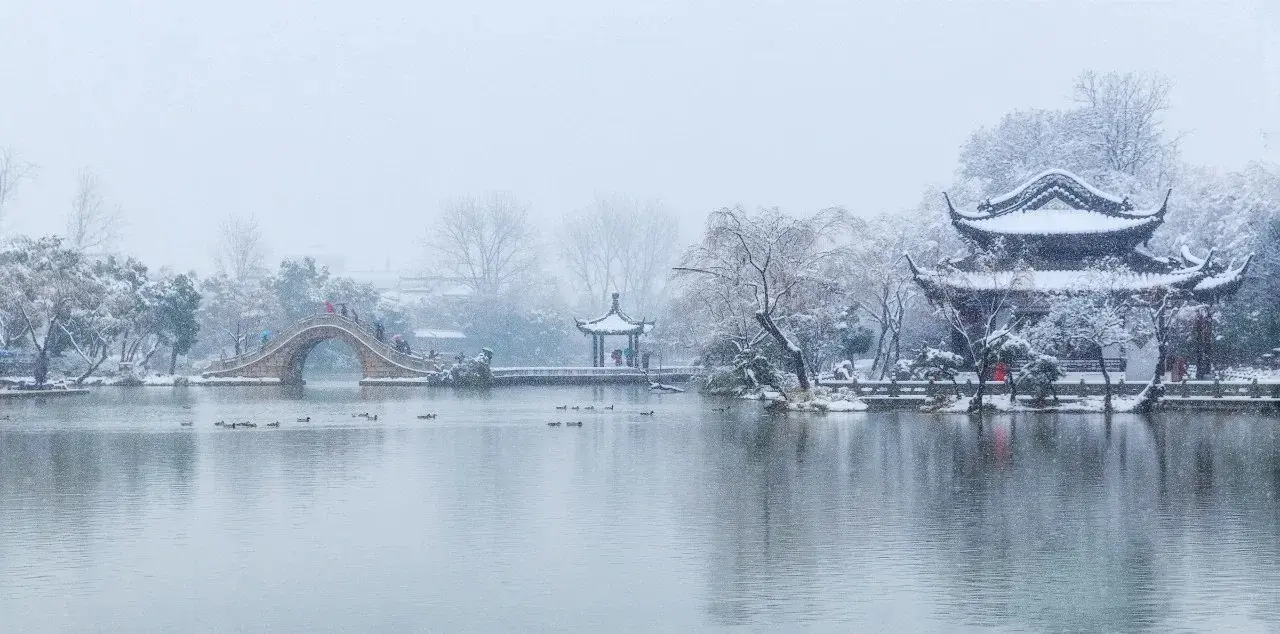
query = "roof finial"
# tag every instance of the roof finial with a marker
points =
(915, 272)
(615, 302)
(951, 209)
(1164, 206)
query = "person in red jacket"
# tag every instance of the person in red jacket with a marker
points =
(328, 306)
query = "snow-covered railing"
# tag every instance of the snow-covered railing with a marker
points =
(593, 371)
(1252, 389)
(554, 371)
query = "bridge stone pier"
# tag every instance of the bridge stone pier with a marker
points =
(286, 356)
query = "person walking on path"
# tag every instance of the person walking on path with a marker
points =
(328, 307)
(344, 308)
(378, 332)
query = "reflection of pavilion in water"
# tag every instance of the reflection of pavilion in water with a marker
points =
(1038, 522)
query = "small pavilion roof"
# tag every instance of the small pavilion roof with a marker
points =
(614, 322)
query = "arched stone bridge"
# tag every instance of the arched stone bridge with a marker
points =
(285, 356)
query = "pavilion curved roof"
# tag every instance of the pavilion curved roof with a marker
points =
(614, 322)
(1061, 207)
(1058, 281)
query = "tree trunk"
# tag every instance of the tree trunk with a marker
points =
(879, 360)
(1154, 390)
(794, 354)
(173, 361)
(1106, 380)
(93, 366)
(976, 404)
(40, 369)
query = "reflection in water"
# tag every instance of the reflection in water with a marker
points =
(114, 514)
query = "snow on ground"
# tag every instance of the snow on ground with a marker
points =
(1002, 403)
(819, 399)
(170, 380)
(409, 380)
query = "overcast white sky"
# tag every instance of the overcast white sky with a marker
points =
(342, 124)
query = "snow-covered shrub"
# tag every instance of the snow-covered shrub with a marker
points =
(749, 370)
(474, 372)
(843, 371)
(1037, 376)
(934, 364)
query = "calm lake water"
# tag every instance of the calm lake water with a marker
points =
(114, 517)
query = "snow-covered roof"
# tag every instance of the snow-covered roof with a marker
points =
(614, 322)
(1055, 221)
(1056, 172)
(1225, 282)
(1058, 281)
(1057, 203)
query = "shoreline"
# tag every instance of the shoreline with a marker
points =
(17, 394)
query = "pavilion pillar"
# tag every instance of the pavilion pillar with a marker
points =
(593, 350)
(635, 351)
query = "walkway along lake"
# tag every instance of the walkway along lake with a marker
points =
(115, 516)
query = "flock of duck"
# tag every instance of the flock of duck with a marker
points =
(305, 419)
(373, 417)
(578, 423)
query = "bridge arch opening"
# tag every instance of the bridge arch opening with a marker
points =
(329, 359)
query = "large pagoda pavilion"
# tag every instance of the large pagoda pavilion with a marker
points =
(1057, 234)
(614, 323)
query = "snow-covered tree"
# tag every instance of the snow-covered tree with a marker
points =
(177, 304)
(487, 243)
(1114, 137)
(874, 277)
(1038, 375)
(45, 286)
(13, 170)
(981, 321)
(234, 312)
(1162, 306)
(769, 261)
(936, 364)
(241, 251)
(93, 224)
(619, 244)
(1089, 322)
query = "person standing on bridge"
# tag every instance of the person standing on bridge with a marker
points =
(328, 307)
(378, 332)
